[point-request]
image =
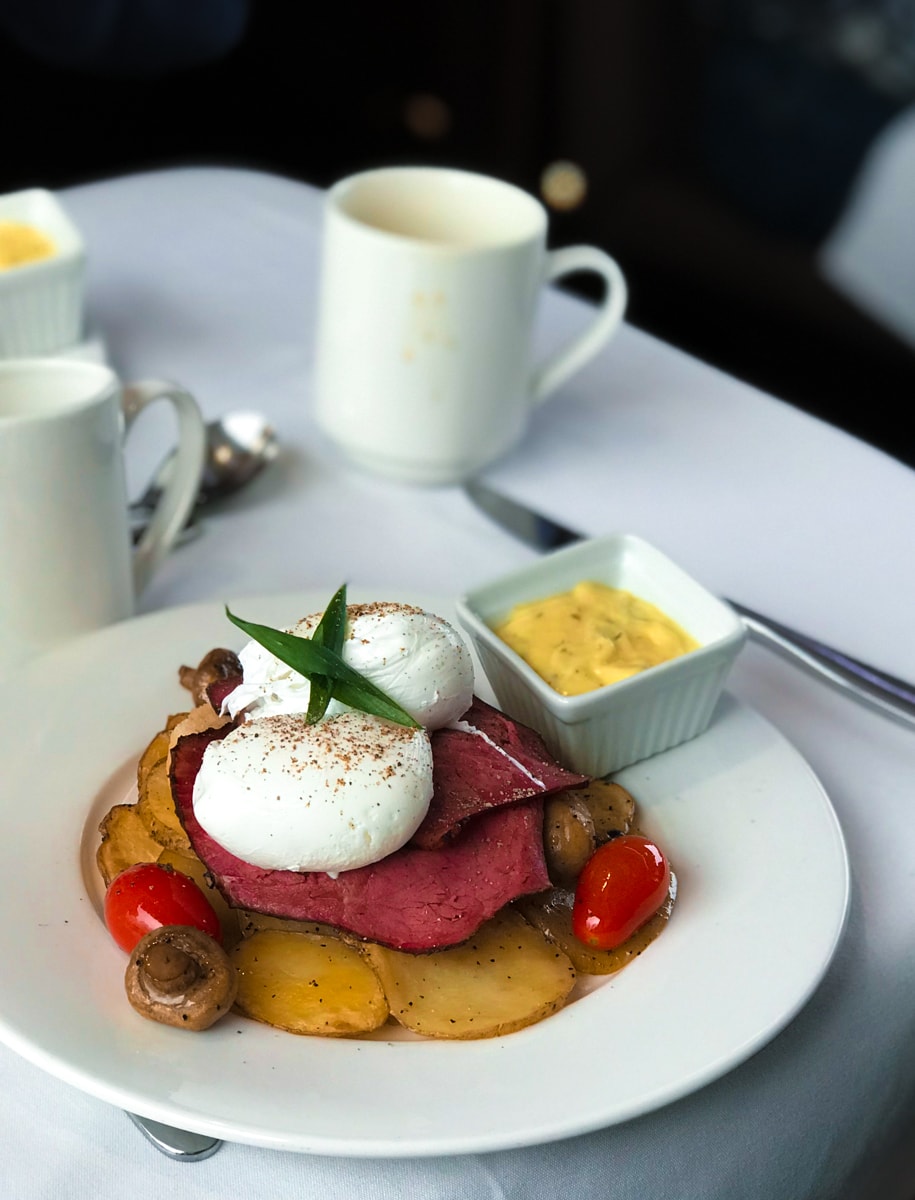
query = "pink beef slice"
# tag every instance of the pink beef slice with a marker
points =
(415, 899)
(220, 688)
(487, 762)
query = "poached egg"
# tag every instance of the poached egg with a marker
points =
(339, 794)
(417, 658)
(352, 788)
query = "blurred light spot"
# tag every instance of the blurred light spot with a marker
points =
(563, 185)
(427, 116)
(860, 38)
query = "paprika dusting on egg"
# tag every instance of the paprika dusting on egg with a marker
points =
(592, 635)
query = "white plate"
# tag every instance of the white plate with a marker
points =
(763, 894)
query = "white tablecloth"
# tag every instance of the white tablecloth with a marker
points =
(208, 276)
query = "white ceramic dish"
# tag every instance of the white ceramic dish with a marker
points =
(757, 921)
(42, 302)
(610, 728)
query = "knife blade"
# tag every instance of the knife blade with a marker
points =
(876, 689)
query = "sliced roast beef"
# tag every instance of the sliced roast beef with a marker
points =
(488, 761)
(220, 688)
(415, 899)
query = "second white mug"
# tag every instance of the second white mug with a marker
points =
(429, 289)
(66, 564)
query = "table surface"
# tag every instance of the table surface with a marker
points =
(208, 276)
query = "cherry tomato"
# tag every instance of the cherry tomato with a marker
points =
(621, 886)
(147, 896)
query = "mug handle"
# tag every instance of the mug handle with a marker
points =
(571, 357)
(181, 488)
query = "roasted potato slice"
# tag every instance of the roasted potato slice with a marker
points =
(189, 864)
(157, 809)
(505, 977)
(154, 754)
(126, 840)
(305, 983)
(157, 750)
(551, 913)
(155, 803)
(204, 716)
(252, 922)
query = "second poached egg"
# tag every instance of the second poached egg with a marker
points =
(417, 658)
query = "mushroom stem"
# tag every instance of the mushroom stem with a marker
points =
(171, 969)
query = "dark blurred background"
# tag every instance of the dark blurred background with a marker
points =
(709, 145)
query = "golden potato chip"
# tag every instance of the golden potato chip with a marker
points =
(505, 977)
(305, 983)
(126, 840)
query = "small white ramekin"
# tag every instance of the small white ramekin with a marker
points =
(42, 302)
(609, 728)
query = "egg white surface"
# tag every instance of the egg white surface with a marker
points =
(340, 794)
(415, 657)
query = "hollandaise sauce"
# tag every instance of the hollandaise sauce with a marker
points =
(21, 243)
(592, 635)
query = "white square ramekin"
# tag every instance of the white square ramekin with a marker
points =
(607, 729)
(42, 302)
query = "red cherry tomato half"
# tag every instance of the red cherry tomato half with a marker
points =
(622, 885)
(147, 896)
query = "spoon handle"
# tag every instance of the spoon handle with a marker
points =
(180, 1144)
(139, 519)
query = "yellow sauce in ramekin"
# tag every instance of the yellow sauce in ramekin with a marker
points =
(591, 636)
(21, 244)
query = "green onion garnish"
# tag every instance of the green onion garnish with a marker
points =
(320, 661)
(330, 633)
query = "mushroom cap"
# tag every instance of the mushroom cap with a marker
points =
(218, 664)
(180, 976)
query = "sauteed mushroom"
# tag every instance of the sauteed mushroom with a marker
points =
(568, 836)
(218, 664)
(577, 821)
(180, 976)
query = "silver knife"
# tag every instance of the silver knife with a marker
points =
(869, 686)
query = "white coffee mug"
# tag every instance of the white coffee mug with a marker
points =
(429, 288)
(66, 561)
